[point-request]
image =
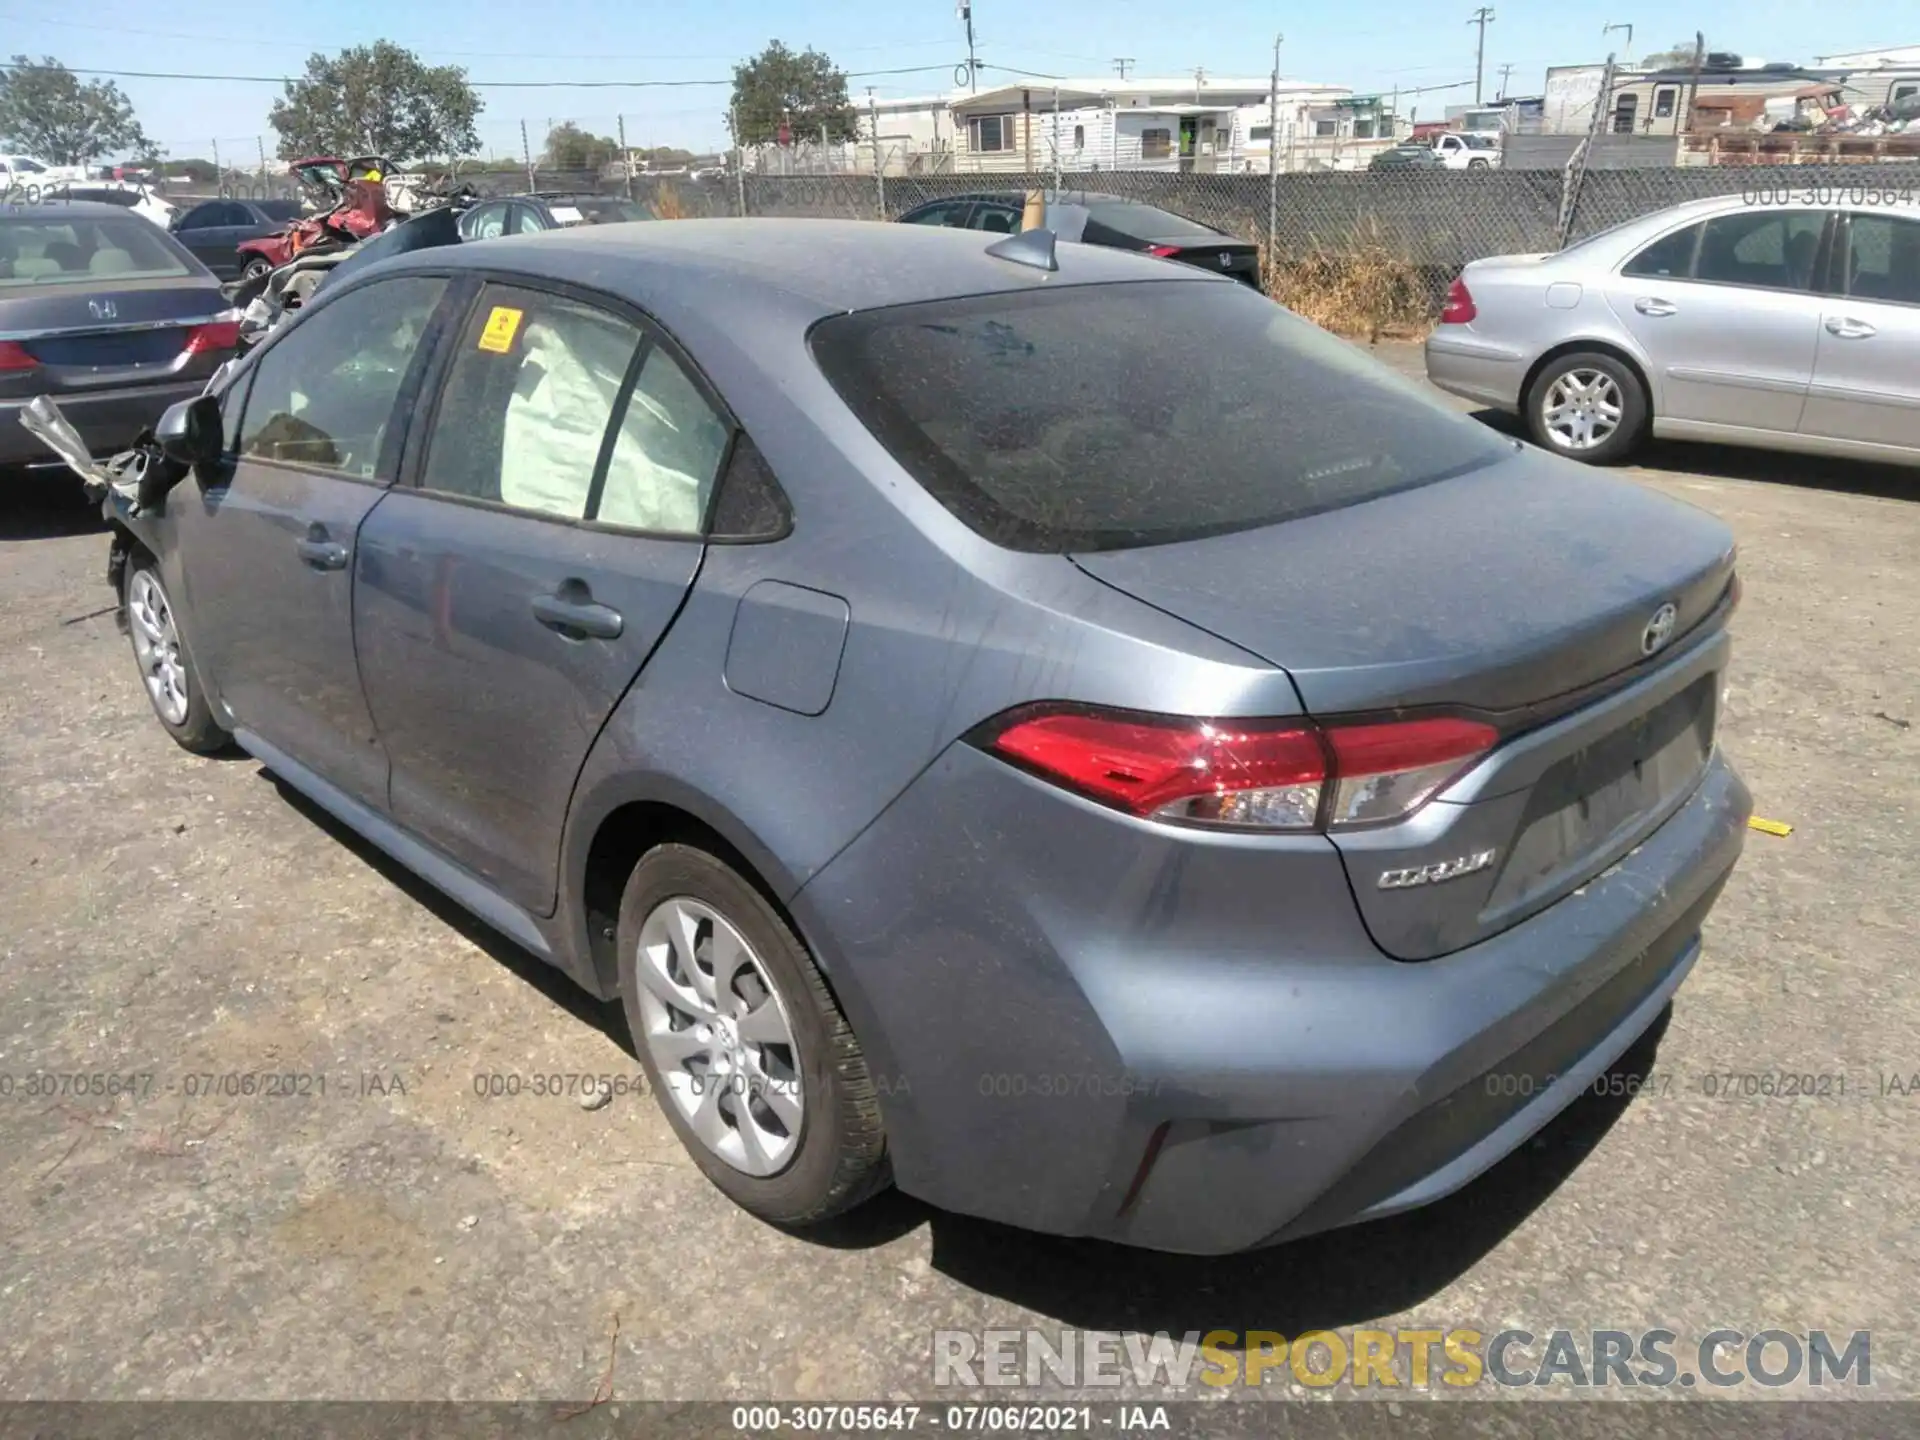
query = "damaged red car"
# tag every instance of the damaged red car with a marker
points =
(352, 204)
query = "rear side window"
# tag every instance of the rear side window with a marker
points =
(1883, 259)
(1670, 257)
(1765, 250)
(1107, 416)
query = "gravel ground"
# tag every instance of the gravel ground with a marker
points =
(400, 1236)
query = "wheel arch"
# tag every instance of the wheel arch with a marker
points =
(1594, 345)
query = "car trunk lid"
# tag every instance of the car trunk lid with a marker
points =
(1528, 594)
(79, 337)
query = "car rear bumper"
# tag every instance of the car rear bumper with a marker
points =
(1095, 1027)
(1466, 365)
(108, 420)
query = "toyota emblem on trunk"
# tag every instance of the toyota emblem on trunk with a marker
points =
(1659, 629)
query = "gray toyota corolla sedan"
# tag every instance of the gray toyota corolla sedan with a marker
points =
(1786, 316)
(1052, 731)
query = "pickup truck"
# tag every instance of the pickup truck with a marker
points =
(1460, 150)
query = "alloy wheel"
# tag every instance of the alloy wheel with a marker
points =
(156, 645)
(1581, 409)
(719, 1036)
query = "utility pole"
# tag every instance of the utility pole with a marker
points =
(1056, 137)
(1693, 87)
(1199, 79)
(739, 160)
(1481, 17)
(526, 153)
(1273, 151)
(1606, 30)
(1505, 71)
(879, 164)
(964, 9)
(626, 155)
(219, 175)
(1121, 64)
(260, 144)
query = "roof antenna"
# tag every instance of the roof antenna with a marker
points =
(1029, 247)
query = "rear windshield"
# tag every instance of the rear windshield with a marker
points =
(1103, 417)
(73, 250)
(602, 212)
(1148, 222)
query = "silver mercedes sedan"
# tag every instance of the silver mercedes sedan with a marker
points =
(1787, 316)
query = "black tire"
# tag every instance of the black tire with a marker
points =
(254, 267)
(841, 1155)
(195, 729)
(1626, 436)
(1477, 165)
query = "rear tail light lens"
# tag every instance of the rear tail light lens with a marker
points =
(207, 339)
(1165, 252)
(1382, 772)
(1459, 309)
(14, 357)
(1284, 775)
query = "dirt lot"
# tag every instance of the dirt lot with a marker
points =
(399, 1236)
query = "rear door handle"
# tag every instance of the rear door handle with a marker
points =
(1848, 328)
(575, 618)
(1648, 305)
(322, 553)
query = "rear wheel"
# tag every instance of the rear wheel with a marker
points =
(166, 669)
(750, 1057)
(1589, 407)
(255, 267)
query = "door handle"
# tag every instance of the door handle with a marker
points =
(1648, 305)
(321, 553)
(578, 618)
(1848, 328)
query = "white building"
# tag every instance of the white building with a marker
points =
(1184, 123)
(1894, 57)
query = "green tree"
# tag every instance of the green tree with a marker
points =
(569, 147)
(1672, 58)
(377, 99)
(45, 111)
(805, 91)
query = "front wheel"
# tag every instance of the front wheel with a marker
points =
(1478, 165)
(1589, 407)
(166, 668)
(255, 267)
(749, 1055)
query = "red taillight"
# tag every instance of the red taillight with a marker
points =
(14, 356)
(1165, 252)
(220, 335)
(1245, 774)
(1734, 591)
(1459, 309)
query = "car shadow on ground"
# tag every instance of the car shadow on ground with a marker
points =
(1770, 467)
(605, 1016)
(45, 504)
(1339, 1278)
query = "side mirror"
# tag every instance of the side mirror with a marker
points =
(189, 433)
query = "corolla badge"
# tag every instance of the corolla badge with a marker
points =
(103, 310)
(1435, 873)
(1659, 629)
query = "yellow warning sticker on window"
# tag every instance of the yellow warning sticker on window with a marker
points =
(502, 325)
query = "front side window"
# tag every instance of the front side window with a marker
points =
(323, 395)
(535, 386)
(1883, 259)
(1106, 416)
(950, 212)
(204, 217)
(1000, 219)
(1761, 249)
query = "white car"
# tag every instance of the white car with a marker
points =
(24, 173)
(1461, 150)
(137, 198)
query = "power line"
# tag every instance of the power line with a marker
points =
(497, 84)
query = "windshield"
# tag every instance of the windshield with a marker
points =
(74, 250)
(1481, 142)
(1107, 416)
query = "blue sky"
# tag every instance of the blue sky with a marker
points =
(1377, 46)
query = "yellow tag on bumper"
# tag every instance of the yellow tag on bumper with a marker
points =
(502, 325)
